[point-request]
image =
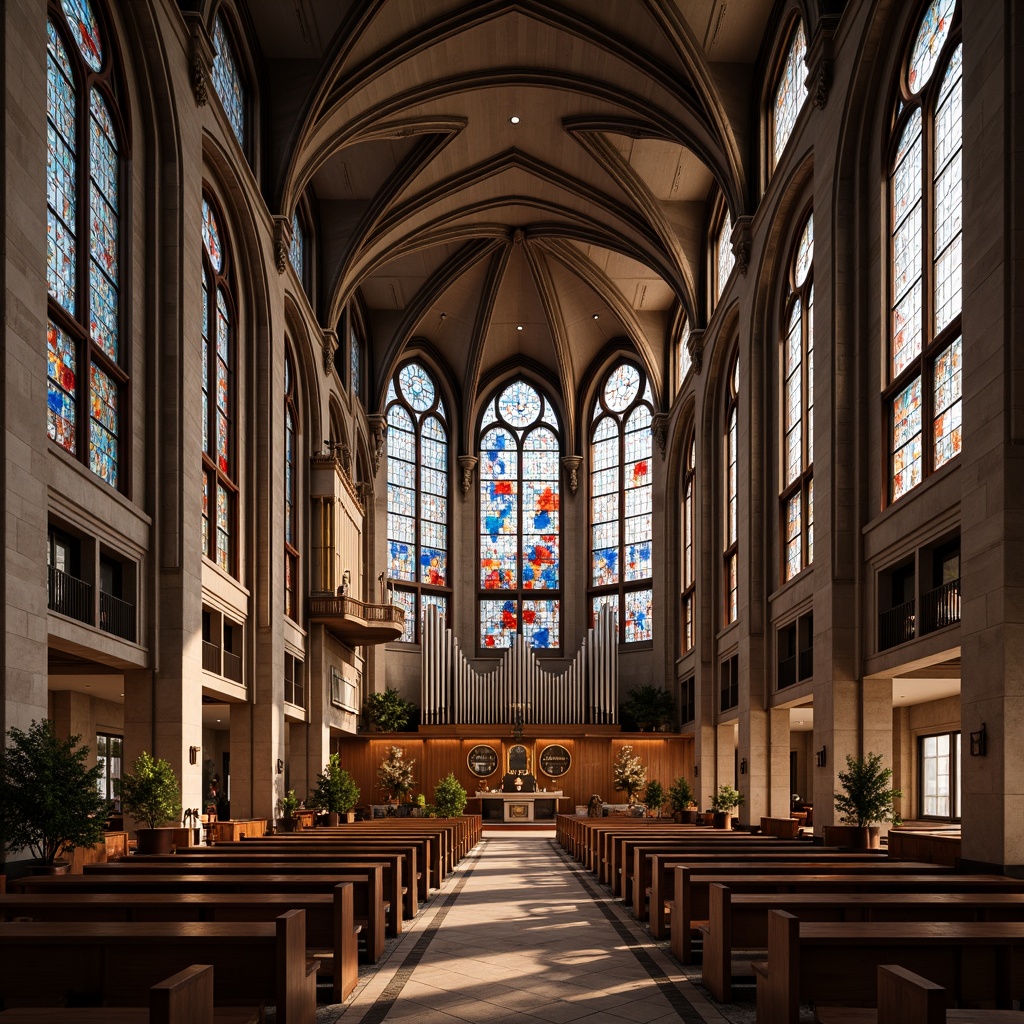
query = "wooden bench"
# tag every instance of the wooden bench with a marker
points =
(117, 962)
(740, 921)
(184, 998)
(907, 998)
(331, 931)
(811, 961)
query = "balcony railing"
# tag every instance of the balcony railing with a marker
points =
(69, 596)
(941, 607)
(807, 663)
(117, 616)
(787, 672)
(232, 667)
(211, 657)
(355, 621)
(896, 626)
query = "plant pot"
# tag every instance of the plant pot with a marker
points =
(688, 817)
(58, 867)
(333, 818)
(705, 817)
(350, 817)
(289, 825)
(853, 837)
(154, 840)
(721, 819)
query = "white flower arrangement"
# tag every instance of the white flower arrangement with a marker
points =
(395, 773)
(629, 773)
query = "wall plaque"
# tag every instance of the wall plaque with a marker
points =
(483, 761)
(555, 760)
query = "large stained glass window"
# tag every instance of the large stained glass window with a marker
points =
(797, 406)
(520, 530)
(730, 516)
(86, 380)
(291, 524)
(418, 485)
(355, 363)
(297, 249)
(724, 259)
(220, 492)
(789, 93)
(683, 359)
(689, 569)
(922, 389)
(227, 80)
(621, 556)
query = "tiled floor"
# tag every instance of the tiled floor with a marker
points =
(518, 934)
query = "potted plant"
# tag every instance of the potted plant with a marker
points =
(648, 708)
(421, 806)
(336, 791)
(150, 793)
(680, 798)
(288, 805)
(49, 799)
(449, 797)
(654, 798)
(395, 774)
(389, 711)
(723, 803)
(867, 800)
(629, 773)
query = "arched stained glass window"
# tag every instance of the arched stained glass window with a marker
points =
(689, 573)
(797, 482)
(297, 249)
(520, 527)
(291, 525)
(355, 364)
(621, 549)
(83, 235)
(789, 93)
(724, 259)
(227, 80)
(922, 391)
(683, 358)
(220, 492)
(730, 517)
(418, 485)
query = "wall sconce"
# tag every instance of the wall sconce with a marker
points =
(743, 766)
(193, 755)
(821, 758)
(979, 742)
(280, 767)
(696, 771)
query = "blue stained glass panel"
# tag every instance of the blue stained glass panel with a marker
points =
(540, 507)
(499, 456)
(906, 439)
(638, 625)
(86, 31)
(499, 507)
(790, 92)
(227, 81)
(417, 386)
(61, 190)
(519, 404)
(355, 355)
(433, 533)
(540, 624)
(540, 562)
(605, 568)
(212, 237)
(223, 528)
(206, 513)
(297, 249)
(947, 429)
(638, 560)
(61, 415)
(402, 557)
(103, 270)
(433, 566)
(406, 601)
(103, 428)
(498, 623)
(499, 563)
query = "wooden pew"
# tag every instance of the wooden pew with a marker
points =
(692, 891)
(184, 998)
(367, 891)
(330, 923)
(117, 962)
(740, 921)
(812, 961)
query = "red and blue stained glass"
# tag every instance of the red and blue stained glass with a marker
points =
(622, 386)
(228, 82)
(103, 428)
(61, 412)
(103, 211)
(499, 622)
(406, 600)
(212, 237)
(61, 172)
(931, 36)
(223, 384)
(206, 363)
(85, 30)
(519, 404)
(638, 624)
(947, 429)
(906, 439)
(540, 624)
(223, 528)
(948, 216)
(417, 387)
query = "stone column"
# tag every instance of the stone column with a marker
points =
(779, 792)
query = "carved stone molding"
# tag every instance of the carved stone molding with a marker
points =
(467, 463)
(282, 242)
(820, 62)
(821, 81)
(200, 57)
(328, 346)
(696, 343)
(659, 428)
(379, 432)
(365, 492)
(571, 464)
(742, 240)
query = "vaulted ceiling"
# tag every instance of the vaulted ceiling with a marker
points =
(512, 182)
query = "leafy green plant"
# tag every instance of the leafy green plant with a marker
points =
(629, 773)
(49, 799)
(680, 795)
(389, 711)
(726, 799)
(336, 791)
(867, 798)
(654, 796)
(395, 773)
(449, 797)
(289, 803)
(150, 792)
(648, 707)
(421, 800)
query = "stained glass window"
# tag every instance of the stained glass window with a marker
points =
(297, 249)
(790, 92)
(797, 406)
(688, 567)
(355, 368)
(418, 484)
(683, 358)
(83, 177)
(724, 259)
(227, 80)
(291, 526)
(520, 528)
(621, 549)
(731, 491)
(926, 230)
(218, 397)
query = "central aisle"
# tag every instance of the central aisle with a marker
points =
(519, 934)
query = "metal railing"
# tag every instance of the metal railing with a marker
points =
(787, 672)
(211, 657)
(68, 595)
(941, 607)
(896, 626)
(117, 616)
(232, 667)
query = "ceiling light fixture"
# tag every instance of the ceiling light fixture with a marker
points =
(514, 119)
(519, 327)
(597, 317)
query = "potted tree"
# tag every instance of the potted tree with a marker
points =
(648, 708)
(723, 803)
(449, 797)
(654, 798)
(49, 799)
(288, 805)
(336, 792)
(389, 711)
(150, 793)
(866, 801)
(629, 773)
(680, 798)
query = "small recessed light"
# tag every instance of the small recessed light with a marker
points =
(514, 119)
(519, 327)
(218, 719)
(597, 317)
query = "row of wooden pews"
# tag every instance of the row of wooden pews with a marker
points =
(816, 912)
(267, 912)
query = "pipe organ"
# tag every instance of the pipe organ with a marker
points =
(454, 692)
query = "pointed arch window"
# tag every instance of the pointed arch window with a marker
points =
(789, 94)
(689, 573)
(418, 485)
(797, 426)
(683, 358)
(220, 492)
(922, 393)
(228, 82)
(520, 528)
(291, 525)
(87, 379)
(355, 363)
(620, 501)
(730, 511)
(297, 249)
(724, 260)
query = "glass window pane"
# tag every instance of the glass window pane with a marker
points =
(227, 81)
(790, 92)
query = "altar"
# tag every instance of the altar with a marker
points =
(537, 806)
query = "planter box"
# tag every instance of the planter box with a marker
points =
(853, 837)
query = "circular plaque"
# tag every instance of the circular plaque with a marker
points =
(482, 761)
(555, 760)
